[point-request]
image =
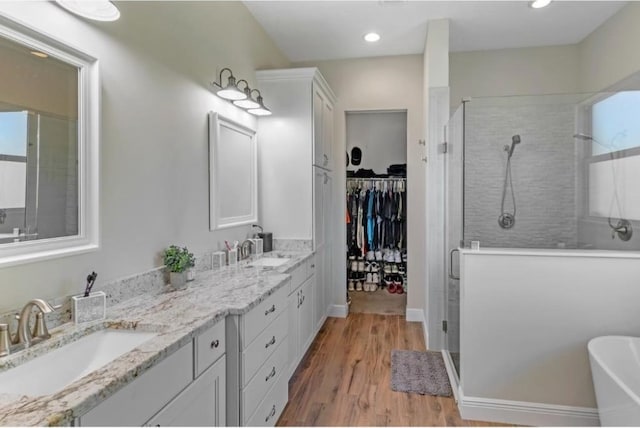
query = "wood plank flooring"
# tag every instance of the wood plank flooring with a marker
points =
(345, 378)
(377, 302)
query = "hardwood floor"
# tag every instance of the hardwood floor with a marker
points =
(345, 378)
(377, 302)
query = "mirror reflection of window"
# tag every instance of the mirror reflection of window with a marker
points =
(38, 145)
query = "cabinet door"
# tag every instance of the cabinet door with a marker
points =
(318, 300)
(329, 228)
(319, 177)
(306, 315)
(319, 153)
(327, 133)
(201, 404)
(293, 307)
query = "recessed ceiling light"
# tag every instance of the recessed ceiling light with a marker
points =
(372, 37)
(39, 54)
(538, 4)
(98, 10)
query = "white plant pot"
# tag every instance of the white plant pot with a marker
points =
(178, 280)
(191, 274)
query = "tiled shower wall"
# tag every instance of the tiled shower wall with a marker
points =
(543, 169)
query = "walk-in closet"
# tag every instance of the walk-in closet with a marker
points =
(376, 215)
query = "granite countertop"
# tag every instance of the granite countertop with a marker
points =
(176, 317)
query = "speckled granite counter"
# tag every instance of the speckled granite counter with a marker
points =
(177, 317)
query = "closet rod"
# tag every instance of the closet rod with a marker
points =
(376, 179)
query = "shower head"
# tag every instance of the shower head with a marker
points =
(514, 140)
(583, 137)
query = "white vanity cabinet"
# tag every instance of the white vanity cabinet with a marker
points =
(187, 388)
(300, 312)
(257, 346)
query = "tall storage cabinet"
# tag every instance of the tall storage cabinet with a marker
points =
(295, 156)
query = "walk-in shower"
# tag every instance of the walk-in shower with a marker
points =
(574, 181)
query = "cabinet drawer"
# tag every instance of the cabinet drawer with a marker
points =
(210, 346)
(201, 404)
(297, 277)
(271, 407)
(254, 321)
(262, 348)
(311, 266)
(265, 378)
(134, 404)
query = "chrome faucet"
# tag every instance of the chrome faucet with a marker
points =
(40, 331)
(245, 249)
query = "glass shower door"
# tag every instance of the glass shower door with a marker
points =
(454, 170)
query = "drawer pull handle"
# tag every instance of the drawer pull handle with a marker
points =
(271, 342)
(313, 266)
(215, 344)
(272, 414)
(271, 309)
(302, 301)
(272, 374)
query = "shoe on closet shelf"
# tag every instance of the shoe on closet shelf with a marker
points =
(387, 268)
(354, 266)
(358, 286)
(360, 265)
(370, 255)
(374, 267)
(394, 268)
(388, 255)
(373, 287)
(397, 257)
(378, 255)
(351, 287)
(369, 277)
(402, 269)
(367, 266)
(375, 278)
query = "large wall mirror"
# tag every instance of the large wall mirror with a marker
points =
(232, 172)
(48, 147)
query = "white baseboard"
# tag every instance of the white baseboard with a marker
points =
(415, 315)
(454, 380)
(338, 311)
(525, 413)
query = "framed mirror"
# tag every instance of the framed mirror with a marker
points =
(48, 147)
(233, 194)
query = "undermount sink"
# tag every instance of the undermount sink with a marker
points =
(55, 370)
(269, 262)
(615, 368)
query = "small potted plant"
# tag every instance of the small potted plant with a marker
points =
(180, 262)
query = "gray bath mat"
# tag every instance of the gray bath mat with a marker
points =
(420, 372)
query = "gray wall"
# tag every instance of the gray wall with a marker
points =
(543, 171)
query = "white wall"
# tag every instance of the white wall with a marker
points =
(526, 319)
(610, 53)
(385, 83)
(522, 71)
(156, 63)
(382, 137)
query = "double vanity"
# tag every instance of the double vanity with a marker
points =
(219, 352)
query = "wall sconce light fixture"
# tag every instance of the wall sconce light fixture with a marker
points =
(231, 90)
(241, 97)
(97, 10)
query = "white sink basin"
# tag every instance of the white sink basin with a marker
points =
(269, 262)
(59, 368)
(615, 368)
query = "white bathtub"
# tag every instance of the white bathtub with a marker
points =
(615, 368)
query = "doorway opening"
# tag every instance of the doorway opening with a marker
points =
(376, 217)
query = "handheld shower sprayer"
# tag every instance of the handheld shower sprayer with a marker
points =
(514, 140)
(507, 219)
